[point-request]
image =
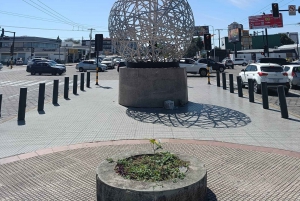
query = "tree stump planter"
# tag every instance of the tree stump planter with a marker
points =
(112, 187)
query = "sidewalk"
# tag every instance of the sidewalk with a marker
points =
(250, 141)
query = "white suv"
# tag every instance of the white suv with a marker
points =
(273, 74)
(240, 61)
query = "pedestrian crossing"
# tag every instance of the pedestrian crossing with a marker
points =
(27, 83)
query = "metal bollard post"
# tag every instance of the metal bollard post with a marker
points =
(75, 84)
(282, 102)
(82, 81)
(239, 84)
(22, 104)
(265, 98)
(251, 90)
(0, 103)
(208, 75)
(88, 79)
(41, 97)
(224, 80)
(218, 78)
(231, 83)
(66, 88)
(55, 92)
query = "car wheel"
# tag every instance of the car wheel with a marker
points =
(221, 69)
(256, 87)
(32, 72)
(40, 73)
(203, 72)
(80, 69)
(60, 73)
(292, 86)
(232, 67)
(53, 73)
(286, 91)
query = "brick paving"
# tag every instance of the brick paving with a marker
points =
(233, 173)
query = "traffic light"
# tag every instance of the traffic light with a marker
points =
(275, 10)
(11, 50)
(98, 42)
(207, 41)
(2, 33)
(299, 9)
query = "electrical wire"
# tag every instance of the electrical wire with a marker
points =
(47, 29)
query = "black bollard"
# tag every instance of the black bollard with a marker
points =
(218, 78)
(55, 92)
(251, 90)
(239, 84)
(282, 102)
(224, 80)
(66, 88)
(231, 83)
(82, 81)
(88, 79)
(41, 97)
(22, 104)
(0, 103)
(75, 84)
(265, 98)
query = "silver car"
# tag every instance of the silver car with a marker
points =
(90, 65)
(293, 72)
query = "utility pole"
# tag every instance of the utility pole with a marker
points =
(91, 35)
(219, 36)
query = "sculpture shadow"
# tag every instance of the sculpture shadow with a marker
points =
(211, 196)
(191, 115)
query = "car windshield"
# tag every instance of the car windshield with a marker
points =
(271, 69)
(52, 64)
(106, 59)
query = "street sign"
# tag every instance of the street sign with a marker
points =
(265, 21)
(292, 9)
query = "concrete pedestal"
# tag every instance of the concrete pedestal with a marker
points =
(150, 87)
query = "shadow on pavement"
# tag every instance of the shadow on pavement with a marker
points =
(211, 196)
(191, 115)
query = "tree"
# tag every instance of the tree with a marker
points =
(195, 46)
(72, 40)
(285, 40)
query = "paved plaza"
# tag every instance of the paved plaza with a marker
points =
(250, 153)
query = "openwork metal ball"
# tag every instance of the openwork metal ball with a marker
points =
(156, 30)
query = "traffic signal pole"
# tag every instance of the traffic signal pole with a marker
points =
(267, 42)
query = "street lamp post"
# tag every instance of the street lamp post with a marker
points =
(213, 40)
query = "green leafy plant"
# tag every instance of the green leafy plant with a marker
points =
(159, 166)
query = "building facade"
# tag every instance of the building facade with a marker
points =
(108, 48)
(26, 47)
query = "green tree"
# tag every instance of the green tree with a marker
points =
(72, 40)
(195, 46)
(285, 40)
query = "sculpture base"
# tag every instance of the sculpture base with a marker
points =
(153, 65)
(150, 87)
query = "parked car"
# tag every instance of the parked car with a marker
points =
(109, 62)
(240, 61)
(19, 61)
(274, 60)
(1, 65)
(193, 67)
(121, 64)
(228, 63)
(31, 61)
(47, 67)
(90, 65)
(293, 72)
(273, 74)
(217, 66)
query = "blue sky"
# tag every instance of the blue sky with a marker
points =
(72, 18)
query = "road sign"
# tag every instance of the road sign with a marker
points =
(292, 9)
(265, 21)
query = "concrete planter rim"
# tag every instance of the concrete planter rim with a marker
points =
(105, 170)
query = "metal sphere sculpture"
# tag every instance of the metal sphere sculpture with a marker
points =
(155, 30)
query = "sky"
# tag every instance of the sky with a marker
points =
(73, 18)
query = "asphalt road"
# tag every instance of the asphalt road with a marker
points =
(11, 80)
